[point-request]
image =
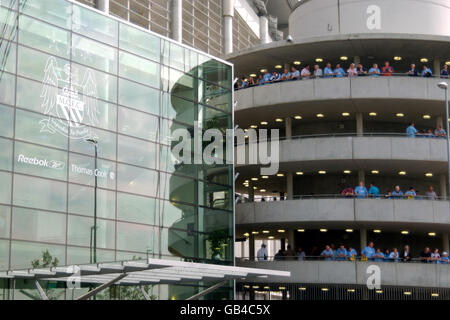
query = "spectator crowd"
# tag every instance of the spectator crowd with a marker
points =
(412, 132)
(333, 72)
(361, 191)
(369, 253)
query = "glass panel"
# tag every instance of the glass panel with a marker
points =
(103, 85)
(76, 255)
(7, 88)
(135, 237)
(12, 4)
(215, 220)
(39, 161)
(177, 109)
(55, 12)
(216, 72)
(182, 85)
(45, 37)
(177, 215)
(8, 57)
(81, 230)
(139, 42)
(139, 97)
(4, 255)
(40, 226)
(6, 121)
(137, 152)
(169, 163)
(215, 196)
(178, 242)
(8, 23)
(81, 201)
(82, 170)
(136, 209)
(94, 54)
(215, 96)
(6, 154)
(26, 254)
(138, 69)
(29, 128)
(176, 56)
(5, 220)
(106, 144)
(136, 180)
(5, 186)
(138, 124)
(216, 119)
(96, 26)
(177, 188)
(39, 193)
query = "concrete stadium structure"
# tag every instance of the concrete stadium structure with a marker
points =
(336, 132)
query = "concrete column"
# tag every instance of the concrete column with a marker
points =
(288, 126)
(251, 193)
(437, 67)
(177, 20)
(361, 176)
(356, 60)
(359, 124)
(103, 5)
(445, 242)
(251, 247)
(264, 36)
(440, 121)
(443, 185)
(291, 238)
(290, 186)
(362, 238)
(228, 14)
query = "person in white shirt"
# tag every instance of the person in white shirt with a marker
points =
(318, 73)
(261, 255)
(352, 71)
(306, 74)
(435, 256)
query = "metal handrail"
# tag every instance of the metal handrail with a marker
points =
(340, 196)
(346, 75)
(343, 259)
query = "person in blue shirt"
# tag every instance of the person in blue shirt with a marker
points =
(341, 253)
(286, 75)
(368, 251)
(361, 190)
(327, 253)
(444, 72)
(411, 131)
(413, 71)
(397, 193)
(387, 255)
(244, 83)
(411, 193)
(295, 74)
(328, 71)
(426, 72)
(374, 192)
(378, 256)
(266, 77)
(393, 256)
(444, 258)
(351, 253)
(374, 71)
(339, 72)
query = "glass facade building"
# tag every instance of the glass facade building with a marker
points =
(73, 81)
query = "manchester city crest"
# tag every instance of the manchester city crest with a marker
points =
(69, 102)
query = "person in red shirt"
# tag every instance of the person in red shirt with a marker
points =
(387, 70)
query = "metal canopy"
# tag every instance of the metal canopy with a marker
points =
(142, 272)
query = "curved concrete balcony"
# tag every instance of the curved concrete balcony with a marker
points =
(357, 94)
(347, 272)
(341, 212)
(411, 154)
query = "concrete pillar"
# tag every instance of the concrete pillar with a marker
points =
(228, 14)
(445, 242)
(356, 60)
(437, 67)
(362, 238)
(443, 185)
(251, 193)
(290, 186)
(177, 20)
(359, 124)
(291, 238)
(361, 176)
(251, 247)
(288, 127)
(440, 121)
(264, 36)
(103, 5)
